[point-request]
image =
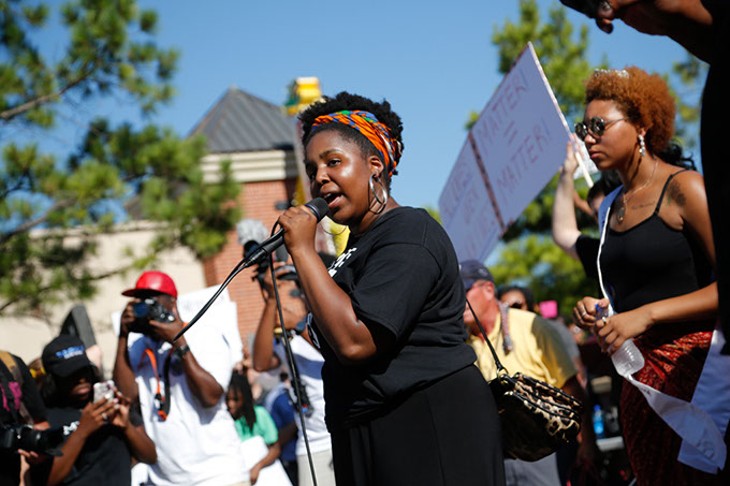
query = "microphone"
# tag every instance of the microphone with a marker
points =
(319, 208)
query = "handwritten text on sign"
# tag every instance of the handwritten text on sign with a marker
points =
(511, 152)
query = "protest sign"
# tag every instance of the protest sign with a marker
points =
(511, 152)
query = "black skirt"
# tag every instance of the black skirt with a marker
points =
(444, 435)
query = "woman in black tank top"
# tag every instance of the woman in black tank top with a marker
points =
(655, 262)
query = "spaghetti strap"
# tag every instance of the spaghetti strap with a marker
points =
(664, 189)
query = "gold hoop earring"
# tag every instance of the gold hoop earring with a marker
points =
(382, 200)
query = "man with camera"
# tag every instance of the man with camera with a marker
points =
(21, 412)
(180, 387)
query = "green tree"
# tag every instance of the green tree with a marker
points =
(686, 79)
(53, 205)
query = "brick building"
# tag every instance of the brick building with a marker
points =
(260, 141)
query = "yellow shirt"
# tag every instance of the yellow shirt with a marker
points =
(537, 350)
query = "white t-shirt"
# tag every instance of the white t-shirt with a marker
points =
(195, 445)
(309, 364)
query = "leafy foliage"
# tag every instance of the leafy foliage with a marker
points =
(54, 205)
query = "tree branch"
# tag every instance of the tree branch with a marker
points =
(28, 225)
(11, 113)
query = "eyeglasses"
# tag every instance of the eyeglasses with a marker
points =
(596, 126)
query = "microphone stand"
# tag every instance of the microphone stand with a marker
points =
(242, 265)
(294, 371)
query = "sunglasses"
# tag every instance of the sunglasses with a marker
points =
(596, 126)
(517, 305)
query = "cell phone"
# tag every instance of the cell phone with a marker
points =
(588, 8)
(103, 389)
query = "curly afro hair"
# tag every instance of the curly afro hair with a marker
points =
(347, 101)
(643, 98)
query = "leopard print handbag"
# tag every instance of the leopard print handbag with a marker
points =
(536, 417)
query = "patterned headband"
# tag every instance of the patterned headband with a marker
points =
(376, 132)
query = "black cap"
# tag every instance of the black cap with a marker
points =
(471, 271)
(65, 355)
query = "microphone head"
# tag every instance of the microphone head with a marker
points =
(319, 207)
(251, 230)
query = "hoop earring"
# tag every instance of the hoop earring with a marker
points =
(382, 200)
(642, 145)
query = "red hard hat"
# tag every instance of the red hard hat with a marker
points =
(153, 281)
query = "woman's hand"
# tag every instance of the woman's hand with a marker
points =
(127, 319)
(613, 331)
(585, 312)
(121, 418)
(95, 415)
(299, 225)
(572, 155)
(253, 474)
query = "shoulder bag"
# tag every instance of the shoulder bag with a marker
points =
(536, 417)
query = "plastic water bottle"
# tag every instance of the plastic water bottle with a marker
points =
(628, 359)
(598, 425)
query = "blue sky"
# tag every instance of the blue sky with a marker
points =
(433, 61)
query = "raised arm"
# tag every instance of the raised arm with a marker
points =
(263, 346)
(349, 337)
(123, 374)
(564, 223)
(201, 382)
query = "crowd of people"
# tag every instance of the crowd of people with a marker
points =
(381, 356)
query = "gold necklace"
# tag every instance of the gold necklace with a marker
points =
(625, 197)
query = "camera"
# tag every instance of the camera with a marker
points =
(14, 437)
(149, 310)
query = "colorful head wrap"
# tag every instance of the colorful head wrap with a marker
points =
(368, 125)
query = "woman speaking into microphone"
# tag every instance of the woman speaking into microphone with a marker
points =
(404, 402)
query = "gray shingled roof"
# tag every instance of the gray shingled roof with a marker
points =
(240, 122)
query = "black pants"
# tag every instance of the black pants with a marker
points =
(444, 435)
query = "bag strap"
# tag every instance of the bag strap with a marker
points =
(14, 369)
(500, 367)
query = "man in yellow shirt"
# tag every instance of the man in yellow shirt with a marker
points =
(527, 343)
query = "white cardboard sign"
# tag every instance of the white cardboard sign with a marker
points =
(511, 152)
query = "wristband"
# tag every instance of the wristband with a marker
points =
(182, 351)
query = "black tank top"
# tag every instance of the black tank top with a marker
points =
(652, 261)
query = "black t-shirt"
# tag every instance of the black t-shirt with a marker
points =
(9, 459)
(104, 459)
(402, 276)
